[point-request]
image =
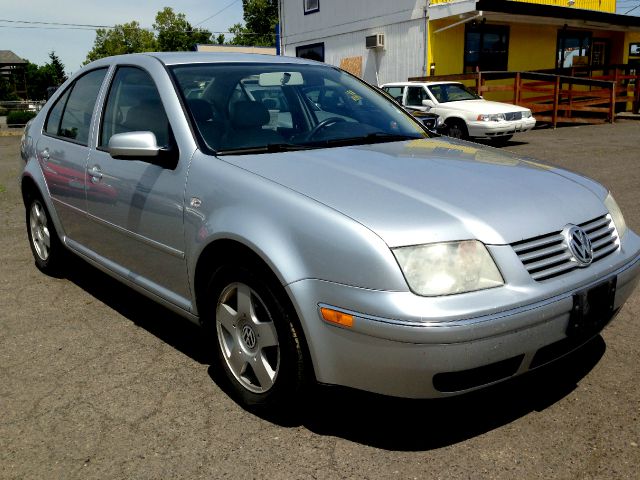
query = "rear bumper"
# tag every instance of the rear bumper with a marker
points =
(426, 358)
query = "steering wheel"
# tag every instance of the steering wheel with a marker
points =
(327, 122)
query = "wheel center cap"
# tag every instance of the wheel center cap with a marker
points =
(249, 337)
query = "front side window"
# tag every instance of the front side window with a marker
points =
(415, 95)
(134, 105)
(451, 92)
(70, 116)
(256, 108)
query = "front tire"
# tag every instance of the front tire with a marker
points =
(457, 129)
(256, 340)
(47, 249)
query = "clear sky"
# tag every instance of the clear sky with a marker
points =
(72, 44)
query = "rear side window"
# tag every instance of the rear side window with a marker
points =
(70, 116)
(134, 105)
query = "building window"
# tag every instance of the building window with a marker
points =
(311, 6)
(311, 52)
(573, 48)
(486, 47)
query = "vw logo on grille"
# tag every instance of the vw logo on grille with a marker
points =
(579, 245)
(249, 336)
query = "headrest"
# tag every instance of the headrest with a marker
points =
(201, 109)
(249, 114)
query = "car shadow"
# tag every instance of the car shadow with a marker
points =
(374, 420)
(168, 326)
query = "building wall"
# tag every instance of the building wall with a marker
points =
(343, 25)
(532, 47)
(446, 48)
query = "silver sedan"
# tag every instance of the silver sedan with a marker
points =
(315, 230)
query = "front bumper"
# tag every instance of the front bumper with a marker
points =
(497, 129)
(434, 354)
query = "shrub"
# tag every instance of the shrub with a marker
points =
(19, 117)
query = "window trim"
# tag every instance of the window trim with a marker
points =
(308, 11)
(70, 89)
(105, 99)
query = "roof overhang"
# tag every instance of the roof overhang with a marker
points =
(531, 13)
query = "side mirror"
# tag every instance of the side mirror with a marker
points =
(133, 145)
(428, 103)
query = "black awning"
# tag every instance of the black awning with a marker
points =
(566, 13)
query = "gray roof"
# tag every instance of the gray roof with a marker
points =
(7, 57)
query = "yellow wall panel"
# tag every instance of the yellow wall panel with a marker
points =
(532, 47)
(446, 48)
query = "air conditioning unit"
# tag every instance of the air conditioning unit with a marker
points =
(375, 41)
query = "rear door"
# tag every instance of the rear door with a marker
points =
(139, 231)
(63, 149)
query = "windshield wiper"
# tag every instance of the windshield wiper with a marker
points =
(371, 138)
(269, 148)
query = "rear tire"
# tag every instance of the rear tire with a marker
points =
(48, 251)
(255, 337)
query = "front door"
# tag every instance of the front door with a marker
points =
(139, 231)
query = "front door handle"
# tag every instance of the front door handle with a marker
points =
(95, 173)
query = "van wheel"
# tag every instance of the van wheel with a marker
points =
(456, 128)
(48, 251)
(256, 341)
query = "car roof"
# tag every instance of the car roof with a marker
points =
(180, 58)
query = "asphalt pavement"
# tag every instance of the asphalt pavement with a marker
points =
(99, 382)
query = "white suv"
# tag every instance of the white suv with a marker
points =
(465, 114)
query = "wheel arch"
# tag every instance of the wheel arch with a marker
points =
(221, 252)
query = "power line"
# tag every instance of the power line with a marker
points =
(218, 12)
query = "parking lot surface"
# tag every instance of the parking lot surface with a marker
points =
(98, 382)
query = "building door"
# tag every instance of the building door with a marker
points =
(600, 52)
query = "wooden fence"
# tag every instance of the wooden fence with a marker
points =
(578, 95)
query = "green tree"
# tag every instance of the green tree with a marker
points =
(175, 33)
(121, 39)
(260, 18)
(220, 39)
(55, 68)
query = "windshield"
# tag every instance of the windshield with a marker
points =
(261, 108)
(451, 92)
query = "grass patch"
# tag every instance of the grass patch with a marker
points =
(2, 188)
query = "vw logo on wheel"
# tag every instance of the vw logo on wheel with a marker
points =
(579, 245)
(249, 337)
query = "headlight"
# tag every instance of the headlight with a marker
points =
(490, 117)
(616, 215)
(446, 268)
(526, 114)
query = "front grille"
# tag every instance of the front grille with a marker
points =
(548, 256)
(513, 116)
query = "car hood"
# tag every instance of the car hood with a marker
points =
(433, 190)
(482, 106)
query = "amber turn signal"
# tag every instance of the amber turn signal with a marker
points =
(338, 318)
